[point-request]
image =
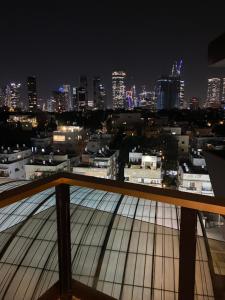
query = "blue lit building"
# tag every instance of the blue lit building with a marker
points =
(167, 90)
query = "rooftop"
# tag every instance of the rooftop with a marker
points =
(189, 168)
(13, 150)
(44, 163)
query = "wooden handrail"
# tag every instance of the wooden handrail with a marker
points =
(188, 200)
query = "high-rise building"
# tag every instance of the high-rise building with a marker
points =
(134, 94)
(170, 89)
(59, 101)
(129, 103)
(213, 93)
(167, 93)
(118, 89)
(32, 93)
(223, 91)
(182, 103)
(68, 97)
(99, 94)
(176, 74)
(82, 94)
(74, 98)
(12, 96)
(194, 103)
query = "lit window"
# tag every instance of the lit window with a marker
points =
(59, 138)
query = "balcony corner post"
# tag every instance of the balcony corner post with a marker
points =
(64, 240)
(188, 228)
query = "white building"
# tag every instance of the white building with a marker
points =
(183, 144)
(144, 169)
(41, 168)
(193, 176)
(12, 161)
(103, 164)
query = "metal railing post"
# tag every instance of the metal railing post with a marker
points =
(64, 240)
(188, 227)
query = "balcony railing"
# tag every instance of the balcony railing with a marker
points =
(191, 205)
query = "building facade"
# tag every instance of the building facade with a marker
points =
(32, 93)
(118, 89)
(82, 94)
(99, 94)
(213, 92)
(13, 96)
(144, 169)
(12, 162)
(193, 176)
(104, 164)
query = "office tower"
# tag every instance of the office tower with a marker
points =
(32, 93)
(213, 93)
(118, 89)
(12, 96)
(74, 99)
(51, 104)
(167, 93)
(182, 104)
(194, 103)
(129, 103)
(59, 102)
(99, 94)
(223, 91)
(82, 103)
(176, 75)
(68, 97)
(134, 93)
(82, 94)
(170, 89)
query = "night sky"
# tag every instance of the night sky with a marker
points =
(59, 41)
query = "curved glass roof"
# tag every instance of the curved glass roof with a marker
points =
(123, 246)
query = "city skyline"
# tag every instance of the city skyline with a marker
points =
(57, 46)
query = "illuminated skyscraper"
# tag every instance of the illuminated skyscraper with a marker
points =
(99, 94)
(134, 93)
(74, 98)
(32, 93)
(182, 104)
(129, 104)
(167, 93)
(213, 93)
(223, 91)
(176, 75)
(82, 94)
(68, 97)
(12, 96)
(118, 89)
(170, 89)
(58, 101)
